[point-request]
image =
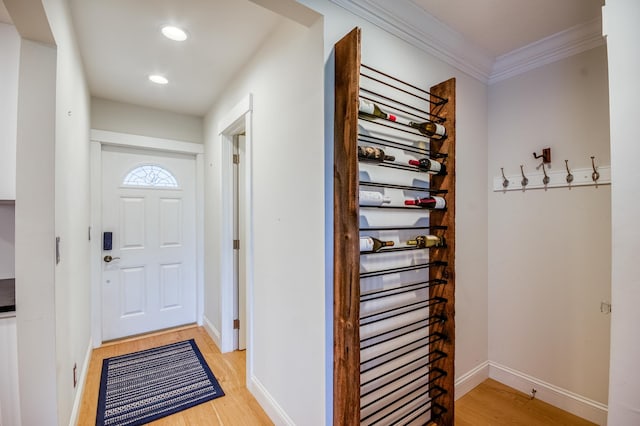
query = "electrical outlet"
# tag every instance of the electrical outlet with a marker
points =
(75, 375)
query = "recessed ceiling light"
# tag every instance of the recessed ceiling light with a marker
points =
(174, 33)
(158, 79)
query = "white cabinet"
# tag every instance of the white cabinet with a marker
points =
(9, 395)
(9, 66)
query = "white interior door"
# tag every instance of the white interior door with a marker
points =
(148, 204)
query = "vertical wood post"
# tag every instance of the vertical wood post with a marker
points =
(446, 90)
(346, 248)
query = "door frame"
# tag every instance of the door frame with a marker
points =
(103, 137)
(237, 120)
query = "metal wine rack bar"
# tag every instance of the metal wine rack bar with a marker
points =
(393, 315)
(403, 269)
(391, 144)
(403, 187)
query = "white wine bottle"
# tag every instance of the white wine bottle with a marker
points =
(427, 202)
(372, 198)
(430, 166)
(424, 241)
(369, 108)
(372, 245)
(430, 129)
(374, 154)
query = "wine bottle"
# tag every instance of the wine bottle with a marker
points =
(430, 129)
(371, 109)
(424, 241)
(372, 153)
(372, 245)
(429, 166)
(372, 198)
(427, 202)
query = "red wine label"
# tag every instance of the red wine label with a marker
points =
(366, 244)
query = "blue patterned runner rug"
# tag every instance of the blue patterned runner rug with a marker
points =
(144, 386)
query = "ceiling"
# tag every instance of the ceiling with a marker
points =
(4, 15)
(501, 26)
(121, 44)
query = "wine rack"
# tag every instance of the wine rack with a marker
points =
(394, 331)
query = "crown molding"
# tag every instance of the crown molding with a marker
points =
(558, 46)
(414, 25)
(411, 23)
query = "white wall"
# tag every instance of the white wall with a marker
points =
(549, 251)
(35, 234)
(72, 209)
(386, 52)
(285, 78)
(7, 241)
(138, 120)
(9, 400)
(9, 61)
(622, 30)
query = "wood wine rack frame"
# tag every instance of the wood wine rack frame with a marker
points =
(346, 390)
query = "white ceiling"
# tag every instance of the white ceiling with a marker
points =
(121, 44)
(500, 26)
(4, 15)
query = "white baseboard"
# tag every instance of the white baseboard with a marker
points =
(212, 331)
(586, 408)
(73, 420)
(269, 404)
(471, 379)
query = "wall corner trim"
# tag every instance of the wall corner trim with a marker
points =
(275, 412)
(411, 23)
(471, 379)
(212, 331)
(562, 398)
(564, 44)
(75, 412)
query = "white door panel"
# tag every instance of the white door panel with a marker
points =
(151, 282)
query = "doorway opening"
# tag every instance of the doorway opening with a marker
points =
(236, 274)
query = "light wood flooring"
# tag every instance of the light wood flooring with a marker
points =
(489, 404)
(493, 404)
(237, 407)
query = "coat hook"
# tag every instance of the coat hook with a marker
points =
(595, 175)
(569, 175)
(546, 155)
(545, 179)
(505, 181)
(524, 181)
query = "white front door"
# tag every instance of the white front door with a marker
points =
(149, 275)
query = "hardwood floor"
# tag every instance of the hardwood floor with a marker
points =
(489, 404)
(494, 404)
(237, 407)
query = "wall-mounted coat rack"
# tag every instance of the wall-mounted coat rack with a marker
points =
(565, 177)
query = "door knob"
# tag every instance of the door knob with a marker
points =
(108, 258)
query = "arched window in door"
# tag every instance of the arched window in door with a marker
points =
(150, 176)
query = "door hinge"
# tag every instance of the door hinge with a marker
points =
(236, 244)
(236, 159)
(236, 324)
